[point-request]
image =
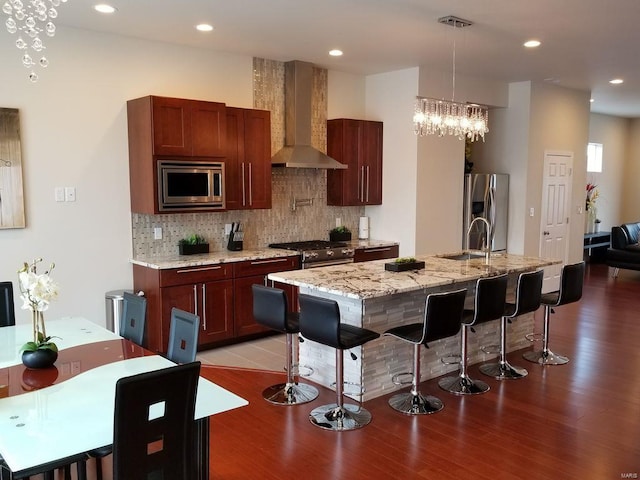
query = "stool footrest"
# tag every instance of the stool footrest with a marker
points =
(451, 359)
(491, 349)
(359, 391)
(397, 378)
(534, 337)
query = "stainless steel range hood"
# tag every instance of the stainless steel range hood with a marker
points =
(298, 152)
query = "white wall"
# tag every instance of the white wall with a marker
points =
(345, 95)
(612, 133)
(631, 189)
(74, 133)
(390, 99)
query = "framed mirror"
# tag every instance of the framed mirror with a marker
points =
(11, 188)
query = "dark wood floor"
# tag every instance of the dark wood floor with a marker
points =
(577, 421)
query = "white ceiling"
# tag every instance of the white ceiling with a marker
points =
(585, 42)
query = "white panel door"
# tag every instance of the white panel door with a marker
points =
(554, 224)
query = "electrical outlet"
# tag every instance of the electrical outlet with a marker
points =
(157, 233)
(338, 222)
(532, 212)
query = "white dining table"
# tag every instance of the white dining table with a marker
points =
(76, 415)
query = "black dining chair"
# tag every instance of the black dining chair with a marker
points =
(153, 429)
(183, 336)
(571, 282)
(134, 313)
(7, 312)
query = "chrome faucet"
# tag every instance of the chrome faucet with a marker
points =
(487, 240)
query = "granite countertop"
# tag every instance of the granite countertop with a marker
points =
(211, 258)
(370, 279)
(225, 256)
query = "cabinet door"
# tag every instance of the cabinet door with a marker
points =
(344, 143)
(244, 322)
(372, 162)
(216, 315)
(184, 297)
(171, 126)
(234, 157)
(208, 129)
(257, 158)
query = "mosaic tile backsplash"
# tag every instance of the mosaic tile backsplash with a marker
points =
(280, 223)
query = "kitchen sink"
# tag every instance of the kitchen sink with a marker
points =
(464, 256)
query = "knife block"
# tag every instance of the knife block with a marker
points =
(235, 241)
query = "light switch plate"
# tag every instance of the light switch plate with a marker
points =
(59, 194)
(70, 194)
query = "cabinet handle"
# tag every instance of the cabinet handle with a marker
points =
(204, 307)
(266, 262)
(373, 250)
(250, 185)
(244, 203)
(195, 299)
(367, 183)
(362, 184)
(203, 269)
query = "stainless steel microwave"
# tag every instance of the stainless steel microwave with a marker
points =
(190, 185)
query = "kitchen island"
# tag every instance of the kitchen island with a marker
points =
(371, 297)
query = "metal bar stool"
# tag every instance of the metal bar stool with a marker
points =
(270, 309)
(442, 318)
(489, 304)
(571, 281)
(528, 294)
(320, 322)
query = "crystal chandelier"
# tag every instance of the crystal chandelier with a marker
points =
(29, 18)
(442, 117)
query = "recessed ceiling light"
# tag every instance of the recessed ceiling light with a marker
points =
(335, 53)
(616, 81)
(532, 43)
(204, 27)
(104, 8)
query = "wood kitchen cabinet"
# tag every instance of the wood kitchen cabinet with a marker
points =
(253, 272)
(358, 144)
(248, 159)
(169, 128)
(368, 254)
(220, 294)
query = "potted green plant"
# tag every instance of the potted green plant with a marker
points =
(404, 264)
(340, 234)
(193, 244)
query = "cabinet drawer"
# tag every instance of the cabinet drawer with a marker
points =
(203, 273)
(265, 265)
(376, 253)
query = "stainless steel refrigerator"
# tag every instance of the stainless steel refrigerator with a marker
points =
(485, 195)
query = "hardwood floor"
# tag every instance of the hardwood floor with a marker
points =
(576, 421)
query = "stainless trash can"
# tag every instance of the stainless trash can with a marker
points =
(114, 302)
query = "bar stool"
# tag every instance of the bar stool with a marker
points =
(270, 309)
(320, 322)
(571, 281)
(489, 304)
(528, 294)
(442, 317)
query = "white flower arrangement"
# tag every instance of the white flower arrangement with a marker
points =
(37, 291)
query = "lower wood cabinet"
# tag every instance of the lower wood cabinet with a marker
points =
(367, 254)
(220, 294)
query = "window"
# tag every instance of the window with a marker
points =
(594, 157)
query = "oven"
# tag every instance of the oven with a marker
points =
(319, 253)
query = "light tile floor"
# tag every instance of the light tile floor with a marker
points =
(263, 354)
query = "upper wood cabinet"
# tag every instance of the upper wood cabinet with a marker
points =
(358, 144)
(187, 128)
(248, 159)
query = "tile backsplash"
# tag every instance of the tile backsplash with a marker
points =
(280, 223)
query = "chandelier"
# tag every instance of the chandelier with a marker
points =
(442, 117)
(29, 19)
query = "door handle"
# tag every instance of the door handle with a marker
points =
(546, 233)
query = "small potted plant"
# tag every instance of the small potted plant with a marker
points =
(404, 264)
(340, 234)
(193, 244)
